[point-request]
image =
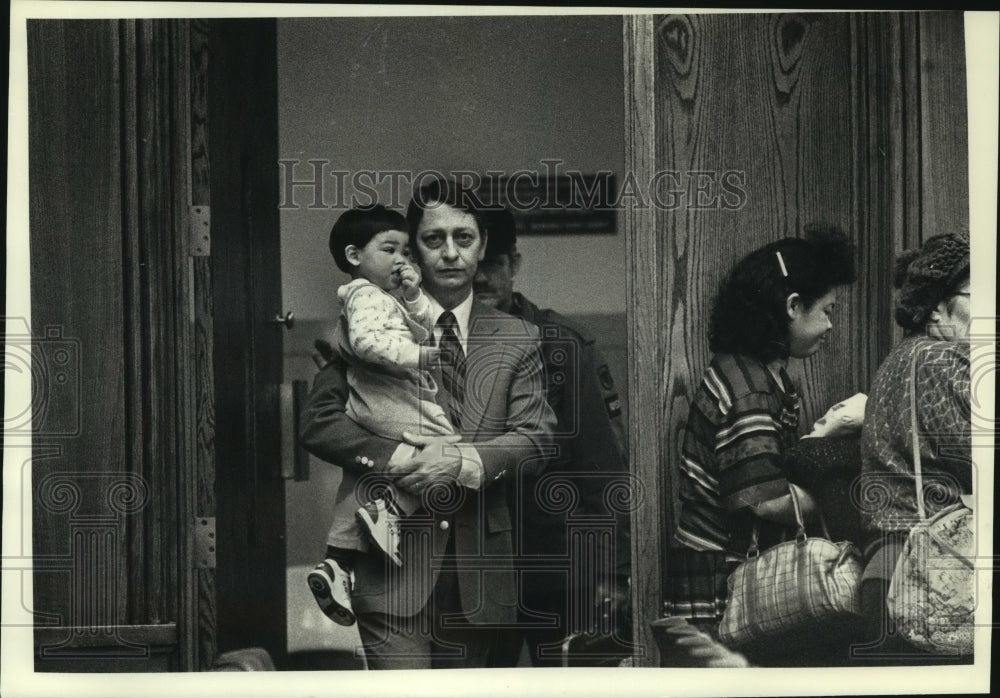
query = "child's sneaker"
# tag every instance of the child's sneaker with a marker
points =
(381, 519)
(331, 585)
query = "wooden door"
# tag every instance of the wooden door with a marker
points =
(158, 503)
(110, 332)
(242, 113)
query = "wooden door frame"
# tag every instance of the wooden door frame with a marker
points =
(243, 194)
(644, 250)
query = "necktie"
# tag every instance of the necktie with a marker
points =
(452, 366)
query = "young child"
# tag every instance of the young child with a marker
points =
(383, 322)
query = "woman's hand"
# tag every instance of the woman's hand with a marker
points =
(845, 417)
(781, 510)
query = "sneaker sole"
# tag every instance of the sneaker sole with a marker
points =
(322, 589)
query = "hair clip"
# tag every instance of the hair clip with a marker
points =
(781, 261)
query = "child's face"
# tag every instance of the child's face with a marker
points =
(807, 329)
(382, 258)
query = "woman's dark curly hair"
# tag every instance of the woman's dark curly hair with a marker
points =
(748, 314)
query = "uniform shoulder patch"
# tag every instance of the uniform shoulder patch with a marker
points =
(614, 405)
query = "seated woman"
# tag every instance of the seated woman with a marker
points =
(775, 304)
(933, 310)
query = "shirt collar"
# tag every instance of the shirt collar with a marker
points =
(462, 313)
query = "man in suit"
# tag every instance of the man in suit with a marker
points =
(453, 601)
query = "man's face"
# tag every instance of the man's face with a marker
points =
(494, 283)
(449, 247)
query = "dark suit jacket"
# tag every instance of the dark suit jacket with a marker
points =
(506, 415)
(590, 439)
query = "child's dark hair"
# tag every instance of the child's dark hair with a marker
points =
(749, 313)
(358, 226)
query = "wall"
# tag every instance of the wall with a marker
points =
(451, 93)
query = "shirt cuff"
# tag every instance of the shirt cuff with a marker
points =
(471, 473)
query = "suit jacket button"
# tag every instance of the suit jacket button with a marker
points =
(443, 525)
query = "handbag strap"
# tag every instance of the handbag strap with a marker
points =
(800, 534)
(800, 531)
(917, 471)
(754, 549)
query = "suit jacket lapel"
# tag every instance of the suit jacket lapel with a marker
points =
(481, 351)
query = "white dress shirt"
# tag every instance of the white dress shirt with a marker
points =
(470, 474)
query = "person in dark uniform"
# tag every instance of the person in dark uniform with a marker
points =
(571, 522)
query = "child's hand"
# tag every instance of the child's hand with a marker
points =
(429, 356)
(409, 278)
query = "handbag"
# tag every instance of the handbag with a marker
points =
(808, 587)
(931, 596)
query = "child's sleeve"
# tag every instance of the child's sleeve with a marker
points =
(377, 330)
(420, 310)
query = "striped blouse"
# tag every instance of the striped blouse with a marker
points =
(739, 425)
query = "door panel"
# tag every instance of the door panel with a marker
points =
(245, 271)
(852, 119)
(109, 288)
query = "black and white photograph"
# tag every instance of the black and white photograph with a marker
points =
(579, 351)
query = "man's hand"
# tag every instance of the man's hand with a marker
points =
(436, 461)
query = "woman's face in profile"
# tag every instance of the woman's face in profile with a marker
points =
(808, 327)
(952, 317)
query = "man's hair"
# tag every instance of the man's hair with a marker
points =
(749, 313)
(440, 191)
(358, 226)
(501, 229)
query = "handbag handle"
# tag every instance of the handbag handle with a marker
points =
(800, 532)
(917, 471)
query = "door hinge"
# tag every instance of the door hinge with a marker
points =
(200, 230)
(204, 543)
